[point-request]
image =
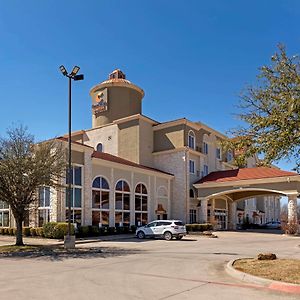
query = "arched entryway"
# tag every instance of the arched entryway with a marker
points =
(240, 184)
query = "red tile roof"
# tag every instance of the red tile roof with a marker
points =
(244, 174)
(119, 160)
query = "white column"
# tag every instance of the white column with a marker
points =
(232, 215)
(203, 210)
(86, 201)
(169, 199)
(292, 208)
(112, 199)
(132, 200)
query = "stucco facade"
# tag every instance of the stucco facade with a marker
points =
(129, 169)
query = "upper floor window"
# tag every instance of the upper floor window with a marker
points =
(218, 153)
(205, 170)
(75, 176)
(205, 148)
(192, 166)
(229, 156)
(44, 196)
(192, 193)
(191, 140)
(99, 147)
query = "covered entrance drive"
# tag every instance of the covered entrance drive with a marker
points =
(220, 191)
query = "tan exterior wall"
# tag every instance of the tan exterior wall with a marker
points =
(128, 140)
(122, 102)
(169, 138)
(107, 135)
(145, 143)
(176, 163)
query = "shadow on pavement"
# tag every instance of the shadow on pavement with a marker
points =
(55, 253)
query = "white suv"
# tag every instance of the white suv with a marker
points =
(162, 228)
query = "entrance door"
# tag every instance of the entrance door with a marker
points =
(221, 218)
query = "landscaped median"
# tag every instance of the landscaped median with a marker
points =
(277, 274)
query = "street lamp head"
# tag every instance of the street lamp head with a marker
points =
(75, 71)
(78, 77)
(63, 70)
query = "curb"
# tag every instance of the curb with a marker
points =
(269, 283)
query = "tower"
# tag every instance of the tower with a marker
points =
(114, 99)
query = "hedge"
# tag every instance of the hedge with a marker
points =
(199, 227)
(56, 230)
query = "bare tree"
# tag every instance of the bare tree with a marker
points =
(24, 167)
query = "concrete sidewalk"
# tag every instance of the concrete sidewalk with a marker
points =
(9, 240)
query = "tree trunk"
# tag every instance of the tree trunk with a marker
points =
(19, 235)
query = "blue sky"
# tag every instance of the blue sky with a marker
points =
(192, 58)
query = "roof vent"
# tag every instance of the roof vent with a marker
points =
(117, 74)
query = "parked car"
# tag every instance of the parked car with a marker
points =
(273, 225)
(162, 228)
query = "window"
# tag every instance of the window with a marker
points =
(141, 205)
(122, 204)
(75, 179)
(100, 202)
(192, 166)
(4, 214)
(218, 153)
(205, 148)
(193, 216)
(205, 170)
(192, 194)
(99, 147)
(44, 205)
(229, 156)
(191, 140)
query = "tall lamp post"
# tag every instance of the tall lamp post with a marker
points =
(69, 242)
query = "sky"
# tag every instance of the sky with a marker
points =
(192, 58)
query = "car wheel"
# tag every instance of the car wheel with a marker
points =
(141, 235)
(179, 237)
(168, 235)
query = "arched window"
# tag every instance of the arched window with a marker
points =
(191, 139)
(99, 147)
(162, 203)
(122, 204)
(141, 205)
(100, 202)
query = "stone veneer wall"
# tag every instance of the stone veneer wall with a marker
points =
(176, 164)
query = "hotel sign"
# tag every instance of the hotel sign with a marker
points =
(100, 102)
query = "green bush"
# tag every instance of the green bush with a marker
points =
(104, 230)
(33, 231)
(56, 230)
(94, 230)
(61, 229)
(133, 228)
(111, 230)
(39, 231)
(198, 227)
(26, 231)
(83, 231)
(49, 229)
(1, 230)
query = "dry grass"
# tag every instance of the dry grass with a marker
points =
(14, 248)
(287, 270)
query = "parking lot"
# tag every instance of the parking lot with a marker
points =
(191, 268)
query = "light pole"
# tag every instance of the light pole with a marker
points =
(69, 241)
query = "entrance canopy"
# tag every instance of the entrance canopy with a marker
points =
(245, 183)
